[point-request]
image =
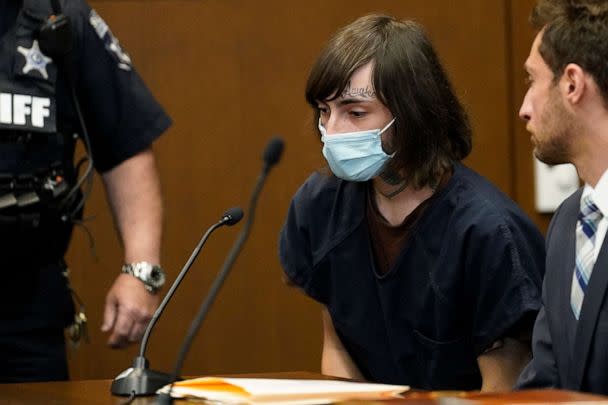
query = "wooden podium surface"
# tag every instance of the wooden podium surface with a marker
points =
(98, 392)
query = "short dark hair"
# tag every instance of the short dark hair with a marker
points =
(432, 129)
(574, 31)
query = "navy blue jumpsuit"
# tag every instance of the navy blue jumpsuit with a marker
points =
(469, 273)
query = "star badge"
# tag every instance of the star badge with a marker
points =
(35, 59)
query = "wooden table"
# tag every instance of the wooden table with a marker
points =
(98, 392)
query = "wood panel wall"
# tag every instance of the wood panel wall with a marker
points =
(522, 35)
(231, 73)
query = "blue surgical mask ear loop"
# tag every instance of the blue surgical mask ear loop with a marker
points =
(387, 126)
(384, 130)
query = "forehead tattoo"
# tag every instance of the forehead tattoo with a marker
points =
(366, 92)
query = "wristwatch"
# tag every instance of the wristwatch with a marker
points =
(152, 275)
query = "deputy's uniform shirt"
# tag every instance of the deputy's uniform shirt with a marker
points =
(122, 119)
(469, 273)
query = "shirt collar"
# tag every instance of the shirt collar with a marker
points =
(599, 194)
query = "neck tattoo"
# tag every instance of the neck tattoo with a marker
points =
(391, 177)
(395, 192)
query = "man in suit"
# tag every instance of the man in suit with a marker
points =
(566, 111)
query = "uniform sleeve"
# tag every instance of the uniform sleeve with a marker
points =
(299, 239)
(505, 275)
(294, 242)
(121, 115)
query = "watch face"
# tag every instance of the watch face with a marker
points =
(157, 277)
(152, 276)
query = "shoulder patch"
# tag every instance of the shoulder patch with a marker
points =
(111, 42)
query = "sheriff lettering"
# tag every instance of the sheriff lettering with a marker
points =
(22, 110)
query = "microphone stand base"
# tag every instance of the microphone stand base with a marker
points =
(164, 399)
(139, 380)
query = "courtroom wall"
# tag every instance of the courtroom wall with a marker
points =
(231, 74)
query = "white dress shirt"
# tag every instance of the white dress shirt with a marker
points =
(599, 194)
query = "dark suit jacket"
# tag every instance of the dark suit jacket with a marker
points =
(569, 354)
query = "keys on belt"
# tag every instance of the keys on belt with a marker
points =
(78, 331)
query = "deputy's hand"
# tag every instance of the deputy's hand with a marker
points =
(129, 307)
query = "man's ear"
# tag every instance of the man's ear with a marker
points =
(573, 83)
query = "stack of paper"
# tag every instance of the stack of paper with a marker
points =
(278, 391)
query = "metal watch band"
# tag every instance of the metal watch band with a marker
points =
(151, 275)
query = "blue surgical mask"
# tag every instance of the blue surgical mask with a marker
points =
(355, 156)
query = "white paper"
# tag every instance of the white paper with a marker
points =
(277, 391)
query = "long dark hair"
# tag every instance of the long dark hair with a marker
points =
(432, 130)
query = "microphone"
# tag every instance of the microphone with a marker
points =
(139, 379)
(272, 155)
(233, 216)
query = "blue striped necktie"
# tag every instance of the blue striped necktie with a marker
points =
(586, 228)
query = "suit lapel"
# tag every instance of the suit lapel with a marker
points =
(561, 252)
(594, 297)
(567, 258)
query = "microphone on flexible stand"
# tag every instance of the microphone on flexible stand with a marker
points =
(271, 156)
(140, 379)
